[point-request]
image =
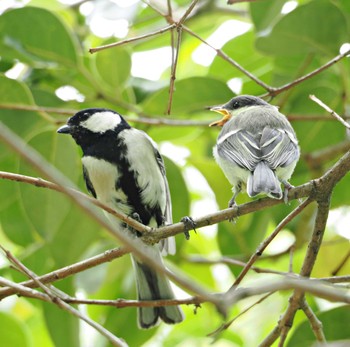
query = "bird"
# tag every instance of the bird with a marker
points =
(123, 169)
(257, 148)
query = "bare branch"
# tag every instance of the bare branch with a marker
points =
(39, 182)
(173, 70)
(328, 109)
(187, 13)
(276, 91)
(224, 56)
(133, 244)
(267, 241)
(141, 37)
(342, 263)
(69, 270)
(317, 158)
(315, 323)
(51, 297)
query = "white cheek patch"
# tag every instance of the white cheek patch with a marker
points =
(100, 122)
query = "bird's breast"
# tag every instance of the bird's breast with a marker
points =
(103, 176)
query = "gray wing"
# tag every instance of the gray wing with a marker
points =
(277, 147)
(240, 148)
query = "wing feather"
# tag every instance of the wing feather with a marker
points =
(241, 148)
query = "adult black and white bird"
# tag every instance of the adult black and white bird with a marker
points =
(123, 169)
(257, 148)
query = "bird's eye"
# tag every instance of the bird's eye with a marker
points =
(236, 104)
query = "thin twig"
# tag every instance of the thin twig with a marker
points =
(114, 340)
(137, 38)
(173, 70)
(39, 182)
(342, 263)
(226, 325)
(315, 323)
(134, 244)
(148, 120)
(224, 56)
(317, 158)
(267, 241)
(69, 270)
(328, 109)
(276, 91)
(187, 12)
(295, 301)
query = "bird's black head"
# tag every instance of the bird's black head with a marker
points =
(90, 124)
(243, 101)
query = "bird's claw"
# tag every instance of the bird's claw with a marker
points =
(137, 217)
(189, 224)
(287, 188)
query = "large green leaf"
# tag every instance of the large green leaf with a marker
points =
(47, 209)
(335, 326)
(178, 190)
(191, 95)
(265, 14)
(13, 93)
(63, 326)
(36, 35)
(13, 331)
(304, 30)
(113, 66)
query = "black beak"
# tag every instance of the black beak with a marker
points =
(65, 129)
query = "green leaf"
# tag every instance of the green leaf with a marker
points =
(46, 209)
(191, 95)
(265, 14)
(335, 326)
(113, 66)
(13, 331)
(17, 228)
(35, 35)
(63, 327)
(301, 31)
(242, 50)
(178, 190)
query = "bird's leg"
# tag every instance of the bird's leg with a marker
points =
(236, 190)
(287, 188)
(189, 224)
(137, 217)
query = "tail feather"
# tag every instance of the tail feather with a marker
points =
(264, 180)
(152, 285)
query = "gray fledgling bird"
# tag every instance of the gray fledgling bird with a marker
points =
(257, 148)
(123, 169)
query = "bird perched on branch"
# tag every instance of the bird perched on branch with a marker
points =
(257, 148)
(123, 169)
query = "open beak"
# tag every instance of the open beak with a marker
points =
(65, 129)
(226, 116)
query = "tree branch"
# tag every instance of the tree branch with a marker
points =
(267, 241)
(49, 296)
(330, 111)
(315, 323)
(133, 244)
(137, 38)
(68, 270)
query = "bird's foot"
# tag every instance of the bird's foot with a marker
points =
(189, 224)
(231, 204)
(287, 188)
(137, 217)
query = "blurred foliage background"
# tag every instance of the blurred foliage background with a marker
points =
(44, 61)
